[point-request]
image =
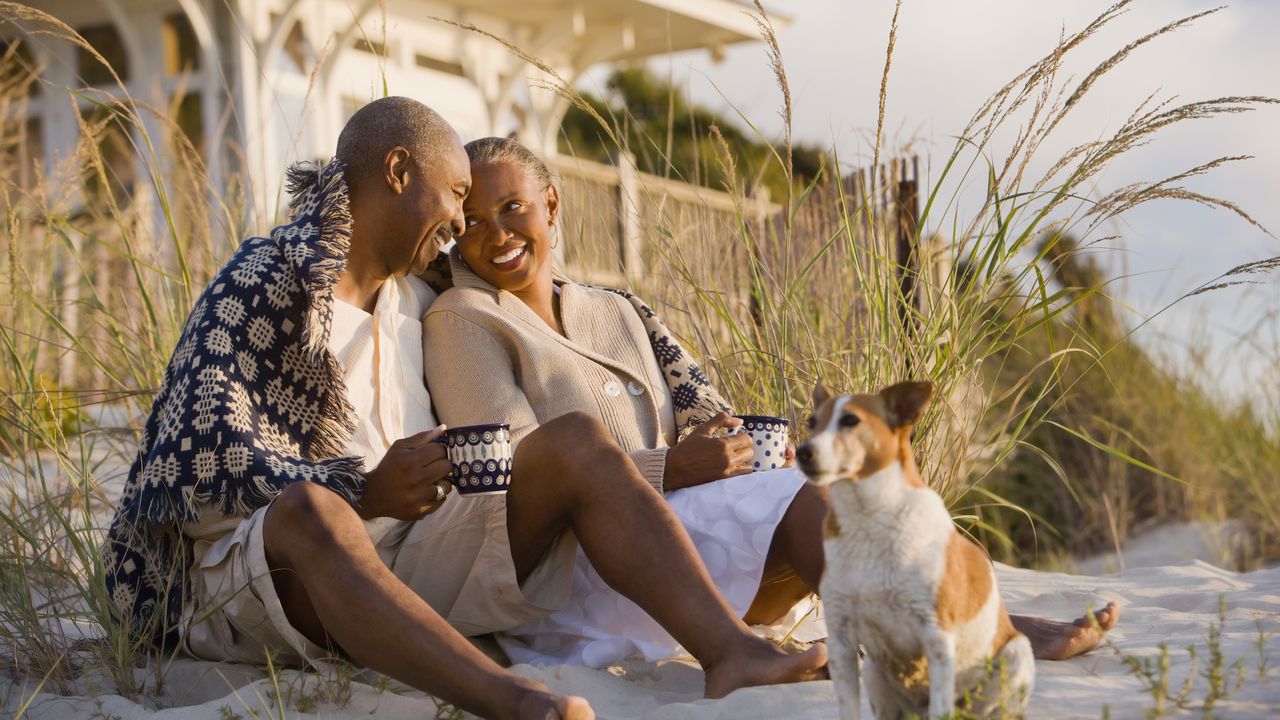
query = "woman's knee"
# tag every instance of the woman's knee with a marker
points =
(576, 424)
(567, 442)
(571, 451)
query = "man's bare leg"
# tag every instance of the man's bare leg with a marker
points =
(570, 475)
(795, 563)
(336, 591)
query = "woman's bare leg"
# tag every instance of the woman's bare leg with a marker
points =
(570, 475)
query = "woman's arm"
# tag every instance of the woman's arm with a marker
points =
(471, 379)
(470, 376)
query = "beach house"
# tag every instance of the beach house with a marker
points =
(256, 84)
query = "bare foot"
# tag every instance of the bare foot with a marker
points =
(1053, 640)
(545, 706)
(760, 662)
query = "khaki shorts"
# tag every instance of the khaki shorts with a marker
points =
(458, 559)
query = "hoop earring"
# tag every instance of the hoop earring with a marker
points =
(555, 233)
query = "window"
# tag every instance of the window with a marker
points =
(297, 49)
(30, 153)
(189, 117)
(21, 154)
(107, 41)
(181, 50)
(372, 47)
(18, 67)
(444, 66)
(115, 149)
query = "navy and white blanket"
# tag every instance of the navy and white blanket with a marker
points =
(252, 400)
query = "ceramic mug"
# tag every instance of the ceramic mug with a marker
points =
(768, 440)
(481, 458)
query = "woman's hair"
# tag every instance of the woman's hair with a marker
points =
(490, 150)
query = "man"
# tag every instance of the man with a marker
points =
(288, 497)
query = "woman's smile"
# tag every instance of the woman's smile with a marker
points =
(510, 259)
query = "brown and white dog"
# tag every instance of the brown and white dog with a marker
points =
(900, 581)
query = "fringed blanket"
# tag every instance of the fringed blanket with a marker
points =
(253, 400)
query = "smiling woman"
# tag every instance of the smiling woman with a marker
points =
(515, 341)
(510, 218)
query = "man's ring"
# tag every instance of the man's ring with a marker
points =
(442, 489)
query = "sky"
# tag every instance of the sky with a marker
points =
(952, 54)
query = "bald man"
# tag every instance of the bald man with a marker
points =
(288, 497)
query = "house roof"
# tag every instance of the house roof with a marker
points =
(653, 27)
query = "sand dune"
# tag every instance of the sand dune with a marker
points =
(1174, 604)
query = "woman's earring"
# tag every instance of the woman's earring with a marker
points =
(555, 236)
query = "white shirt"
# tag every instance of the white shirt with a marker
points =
(381, 355)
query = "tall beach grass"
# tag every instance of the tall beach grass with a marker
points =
(100, 270)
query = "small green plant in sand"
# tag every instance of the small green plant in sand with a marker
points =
(1221, 678)
(447, 711)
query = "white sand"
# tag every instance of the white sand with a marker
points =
(1174, 604)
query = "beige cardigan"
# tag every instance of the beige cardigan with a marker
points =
(489, 358)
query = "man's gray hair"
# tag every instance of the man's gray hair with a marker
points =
(490, 150)
(385, 123)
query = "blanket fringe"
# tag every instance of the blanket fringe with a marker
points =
(333, 216)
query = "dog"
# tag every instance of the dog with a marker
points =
(900, 581)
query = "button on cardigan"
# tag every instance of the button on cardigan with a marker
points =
(490, 358)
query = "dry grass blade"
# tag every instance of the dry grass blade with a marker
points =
(1111, 62)
(884, 82)
(765, 27)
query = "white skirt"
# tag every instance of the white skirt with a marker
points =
(731, 523)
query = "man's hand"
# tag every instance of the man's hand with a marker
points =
(411, 481)
(703, 457)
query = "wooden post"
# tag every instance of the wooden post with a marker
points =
(630, 234)
(758, 228)
(908, 255)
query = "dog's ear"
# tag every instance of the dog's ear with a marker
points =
(820, 395)
(906, 402)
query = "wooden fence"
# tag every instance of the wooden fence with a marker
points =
(664, 238)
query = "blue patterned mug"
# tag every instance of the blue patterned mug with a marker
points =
(768, 439)
(481, 457)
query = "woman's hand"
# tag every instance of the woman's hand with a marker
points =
(702, 457)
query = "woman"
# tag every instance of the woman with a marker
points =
(514, 341)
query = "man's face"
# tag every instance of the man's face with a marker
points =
(428, 213)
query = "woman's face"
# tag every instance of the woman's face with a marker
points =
(507, 240)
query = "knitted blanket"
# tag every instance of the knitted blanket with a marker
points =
(253, 400)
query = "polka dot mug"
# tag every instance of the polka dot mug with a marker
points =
(768, 439)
